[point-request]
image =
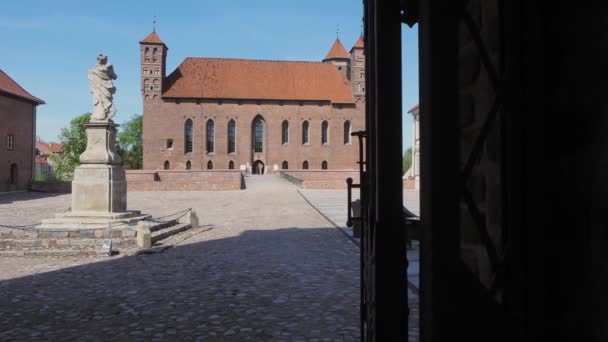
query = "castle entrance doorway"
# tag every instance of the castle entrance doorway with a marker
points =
(258, 167)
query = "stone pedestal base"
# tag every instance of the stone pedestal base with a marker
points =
(99, 188)
(92, 220)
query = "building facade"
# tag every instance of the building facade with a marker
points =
(257, 115)
(18, 132)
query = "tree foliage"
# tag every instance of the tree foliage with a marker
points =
(131, 143)
(407, 160)
(74, 140)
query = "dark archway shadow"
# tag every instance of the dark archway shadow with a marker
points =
(260, 285)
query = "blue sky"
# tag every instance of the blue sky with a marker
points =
(48, 46)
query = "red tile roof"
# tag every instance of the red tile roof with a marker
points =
(337, 51)
(49, 148)
(358, 44)
(8, 85)
(40, 160)
(152, 38)
(257, 80)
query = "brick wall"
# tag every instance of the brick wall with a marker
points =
(165, 119)
(17, 117)
(175, 180)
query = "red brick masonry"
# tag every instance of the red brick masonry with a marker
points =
(184, 180)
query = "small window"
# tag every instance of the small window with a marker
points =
(231, 165)
(210, 136)
(347, 132)
(359, 87)
(284, 165)
(13, 176)
(362, 76)
(324, 132)
(10, 142)
(156, 85)
(145, 70)
(210, 165)
(167, 165)
(324, 165)
(188, 136)
(285, 132)
(156, 71)
(169, 144)
(305, 133)
(188, 165)
(305, 165)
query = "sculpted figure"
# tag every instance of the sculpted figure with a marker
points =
(103, 89)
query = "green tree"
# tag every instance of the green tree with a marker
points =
(74, 140)
(131, 143)
(407, 160)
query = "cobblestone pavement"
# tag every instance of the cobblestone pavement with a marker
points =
(271, 269)
(333, 205)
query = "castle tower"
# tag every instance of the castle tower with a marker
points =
(357, 76)
(153, 65)
(338, 56)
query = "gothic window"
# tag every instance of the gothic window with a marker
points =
(284, 166)
(305, 133)
(10, 142)
(146, 84)
(147, 54)
(167, 165)
(231, 165)
(154, 55)
(188, 165)
(210, 136)
(285, 132)
(258, 130)
(156, 85)
(324, 165)
(188, 136)
(156, 71)
(324, 132)
(210, 165)
(305, 165)
(347, 131)
(145, 70)
(169, 144)
(231, 136)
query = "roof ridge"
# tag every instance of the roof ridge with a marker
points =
(28, 95)
(255, 60)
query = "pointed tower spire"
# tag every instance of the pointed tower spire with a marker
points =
(154, 24)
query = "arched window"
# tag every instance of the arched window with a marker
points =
(147, 54)
(324, 165)
(154, 55)
(305, 165)
(231, 165)
(347, 132)
(284, 166)
(147, 84)
(156, 71)
(258, 135)
(231, 136)
(305, 132)
(188, 165)
(167, 165)
(285, 132)
(324, 132)
(14, 177)
(187, 136)
(210, 165)
(210, 136)
(156, 84)
(145, 70)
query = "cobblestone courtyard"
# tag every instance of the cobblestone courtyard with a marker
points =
(271, 269)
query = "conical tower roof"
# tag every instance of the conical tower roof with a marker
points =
(337, 51)
(358, 44)
(152, 38)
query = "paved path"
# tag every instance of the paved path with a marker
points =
(272, 269)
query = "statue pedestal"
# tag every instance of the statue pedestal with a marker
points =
(99, 188)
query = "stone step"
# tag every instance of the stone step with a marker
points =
(169, 231)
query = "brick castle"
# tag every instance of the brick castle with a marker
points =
(219, 113)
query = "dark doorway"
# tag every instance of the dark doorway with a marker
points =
(14, 174)
(258, 167)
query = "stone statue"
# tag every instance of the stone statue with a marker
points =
(102, 89)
